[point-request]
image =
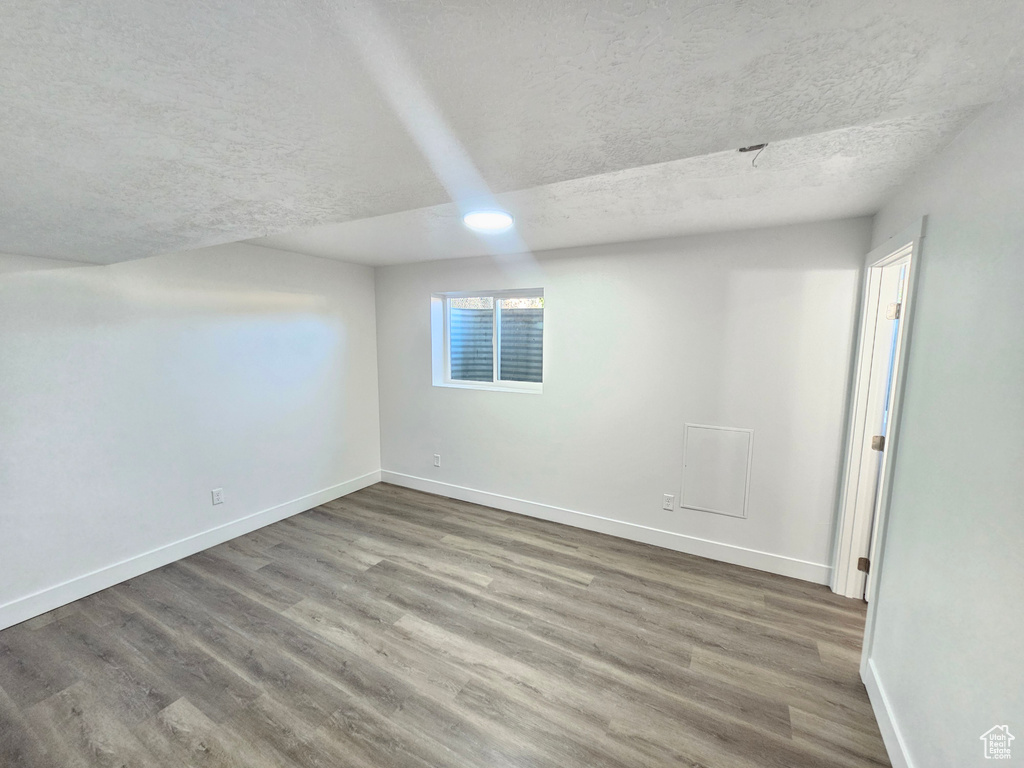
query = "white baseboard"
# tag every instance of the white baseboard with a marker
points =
(715, 550)
(27, 607)
(891, 736)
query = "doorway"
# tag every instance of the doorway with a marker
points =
(877, 387)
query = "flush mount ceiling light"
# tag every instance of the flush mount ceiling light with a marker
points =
(488, 222)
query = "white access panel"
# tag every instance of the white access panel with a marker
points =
(716, 469)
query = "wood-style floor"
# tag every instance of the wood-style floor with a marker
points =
(396, 628)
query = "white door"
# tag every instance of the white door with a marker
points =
(874, 417)
(888, 337)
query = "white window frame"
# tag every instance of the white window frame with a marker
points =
(440, 327)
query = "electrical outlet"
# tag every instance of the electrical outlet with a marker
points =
(218, 495)
(437, 459)
(668, 501)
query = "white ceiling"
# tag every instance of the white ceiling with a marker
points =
(134, 127)
(832, 175)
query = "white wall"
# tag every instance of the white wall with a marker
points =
(748, 329)
(128, 392)
(948, 638)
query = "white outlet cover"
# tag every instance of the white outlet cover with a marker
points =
(217, 495)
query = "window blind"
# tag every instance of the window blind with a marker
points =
(521, 344)
(471, 339)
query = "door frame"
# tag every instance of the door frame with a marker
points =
(856, 511)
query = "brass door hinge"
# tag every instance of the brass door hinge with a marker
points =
(878, 442)
(863, 564)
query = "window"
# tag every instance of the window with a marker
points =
(489, 340)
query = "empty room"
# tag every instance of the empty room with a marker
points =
(541, 383)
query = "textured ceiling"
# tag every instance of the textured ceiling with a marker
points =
(133, 127)
(838, 174)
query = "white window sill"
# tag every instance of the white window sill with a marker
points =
(526, 388)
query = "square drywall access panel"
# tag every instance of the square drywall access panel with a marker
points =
(716, 469)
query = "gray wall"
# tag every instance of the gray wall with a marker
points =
(948, 648)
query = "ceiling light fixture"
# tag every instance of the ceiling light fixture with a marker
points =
(488, 222)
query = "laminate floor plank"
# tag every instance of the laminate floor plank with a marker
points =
(79, 731)
(856, 745)
(244, 580)
(564, 740)
(467, 617)
(750, 618)
(384, 646)
(208, 683)
(181, 734)
(104, 609)
(814, 692)
(270, 722)
(268, 627)
(245, 556)
(260, 664)
(122, 679)
(694, 625)
(397, 629)
(429, 563)
(19, 747)
(352, 596)
(31, 671)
